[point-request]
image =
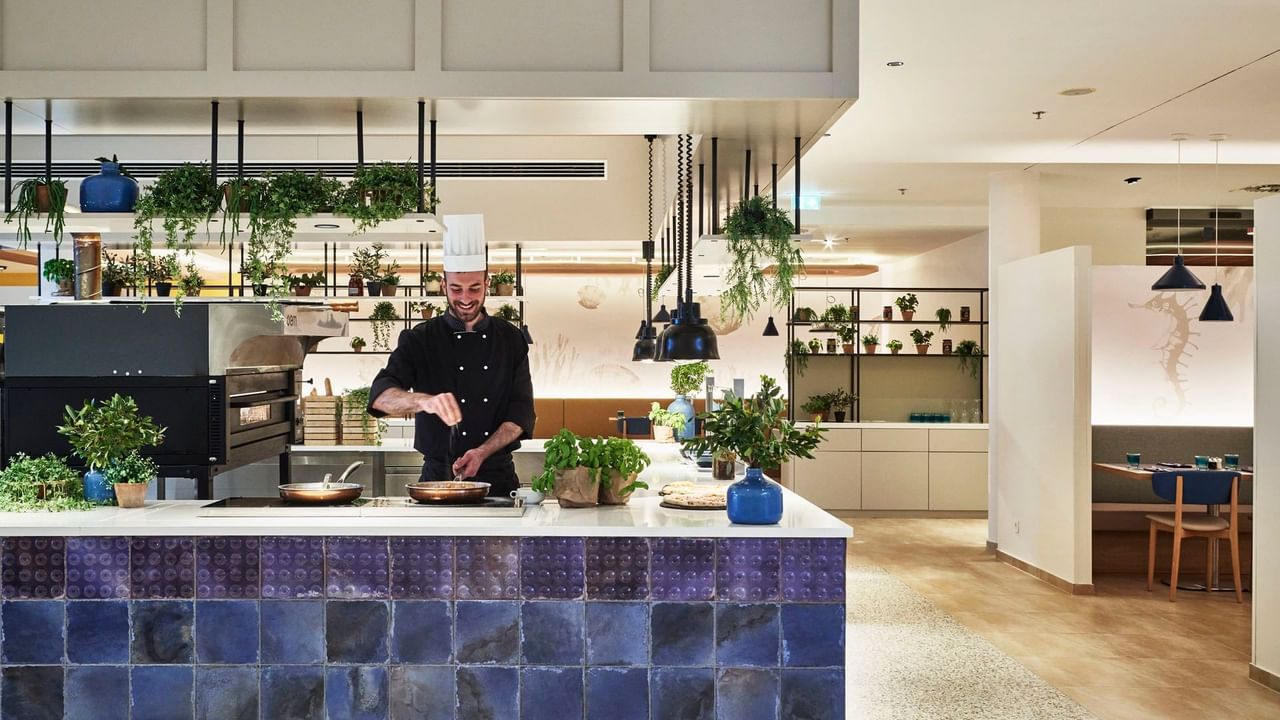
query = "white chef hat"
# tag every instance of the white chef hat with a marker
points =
(464, 246)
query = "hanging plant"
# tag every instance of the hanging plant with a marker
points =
(759, 236)
(660, 278)
(797, 357)
(240, 196)
(384, 313)
(381, 192)
(966, 350)
(38, 196)
(185, 197)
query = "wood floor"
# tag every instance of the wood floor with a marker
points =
(1123, 653)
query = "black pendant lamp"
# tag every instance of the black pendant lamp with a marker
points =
(1216, 308)
(688, 337)
(646, 337)
(1179, 277)
(770, 330)
(662, 316)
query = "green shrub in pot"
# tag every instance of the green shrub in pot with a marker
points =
(818, 406)
(36, 196)
(101, 433)
(907, 305)
(583, 472)
(758, 236)
(563, 474)
(665, 423)
(191, 281)
(63, 272)
(379, 192)
(870, 343)
(620, 463)
(967, 350)
(43, 483)
(502, 282)
(922, 339)
(129, 476)
(894, 346)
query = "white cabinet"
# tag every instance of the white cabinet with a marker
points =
(895, 480)
(895, 439)
(958, 481)
(831, 480)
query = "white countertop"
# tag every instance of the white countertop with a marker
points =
(656, 450)
(899, 425)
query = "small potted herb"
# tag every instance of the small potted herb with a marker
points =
(428, 310)
(191, 281)
(390, 278)
(508, 313)
(665, 423)
(161, 271)
(967, 350)
(815, 346)
(834, 315)
(40, 483)
(503, 283)
(117, 275)
(921, 338)
(39, 196)
(63, 272)
(620, 463)
(432, 282)
(817, 406)
(357, 343)
(129, 477)
(384, 313)
(841, 401)
(797, 356)
(563, 473)
(848, 337)
(907, 305)
(105, 433)
(869, 344)
(894, 346)
(366, 263)
(804, 314)
(944, 319)
(303, 284)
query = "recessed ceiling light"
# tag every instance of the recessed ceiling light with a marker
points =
(895, 63)
(1075, 92)
(1132, 180)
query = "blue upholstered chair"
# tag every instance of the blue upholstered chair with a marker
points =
(1196, 487)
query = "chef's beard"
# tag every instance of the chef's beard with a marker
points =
(466, 317)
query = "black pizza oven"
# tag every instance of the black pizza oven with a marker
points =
(222, 379)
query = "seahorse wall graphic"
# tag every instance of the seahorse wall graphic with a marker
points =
(1178, 346)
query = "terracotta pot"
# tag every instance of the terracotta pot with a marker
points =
(358, 348)
(389, 290)
(193, 293)
(922, 349)
(907, 315)
(131, 495)
(662, 433)
(575, 488)
(870, 349)
(848, 348)
(43, 203)
(302, 290)
(894, 350)
(610, 489)
(66, 287)
(505, 289)
(427, 313)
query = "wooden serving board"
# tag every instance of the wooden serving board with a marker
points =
(666, 504)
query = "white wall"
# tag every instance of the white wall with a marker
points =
(1266, 445)
(1042, 473)
(1118, 236)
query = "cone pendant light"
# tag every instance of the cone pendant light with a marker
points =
(1215, 308)
(1179, 277)
(770, 330)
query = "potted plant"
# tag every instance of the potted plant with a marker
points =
(384, 313)
(427, 309)
(113, 189)
(563, 473)
(758, 236)
(834, 315)
(303, 284)
(848, 337)
(907, 305)
(40, 483)
(357, 343)
(191, 281)
(665, 423)
(161, 271)
(815, 346)
(817, 406)
(797, 356)
(63, 272)
(185, 197)
(757, 431)
(117, 275)
(103, 433)
(944, 319)
(129, 477)
(39, 196)
(383, 191)
(432, 282)
(967, 350)
(894, 346)
(620, 463)
(870, 343)
(390, 278)
(687, 379)
(804, 314)
(841, 401)
(240, 196)
(366, 262)
(921, 339)
(508, 313)
(503, 283)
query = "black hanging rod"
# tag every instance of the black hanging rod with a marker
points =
(588, 170)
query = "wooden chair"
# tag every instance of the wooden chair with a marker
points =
(1205, 488)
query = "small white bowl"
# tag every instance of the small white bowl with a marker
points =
(530, 496)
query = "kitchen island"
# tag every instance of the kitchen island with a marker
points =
(622, 612)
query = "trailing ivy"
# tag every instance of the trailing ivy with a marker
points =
(758, 237)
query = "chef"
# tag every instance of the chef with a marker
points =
(464, 374)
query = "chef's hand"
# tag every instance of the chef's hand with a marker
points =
(445, 407)
(469, 464)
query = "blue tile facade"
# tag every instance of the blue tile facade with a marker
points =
(420, 627)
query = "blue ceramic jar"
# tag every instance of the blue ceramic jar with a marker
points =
(682, 405)
(108, 191)
(754, 500)
(97, 489)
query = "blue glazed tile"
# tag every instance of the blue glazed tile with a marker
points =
(813, 570)
(292, 567)
(488, 692)
(682, 569)
(617, 694)
(98, 632)
(33, 567)
(226, 693)
(813, 694)
(292, 632)
(97, 693)
(421, 631)
(748, 569)
(227, 568)
(682, 633)
(685, 693)
(422, 568)
(97, 568)
(356, 692)
(227, 632)
(551, 633)
(162, 631)
(292, 692)
(33, 632)
(813, 635)
(31, 693)
(486, 632)
(617, 633)
(550, 693)
(356, 631)
(422, 692)
(551, 568)
(162, 693)
(747, 694)
(747, 635)
(617, 568)
(358, 568)
(487, 568)
(162, 567)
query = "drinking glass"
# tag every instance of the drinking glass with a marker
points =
(1231, 461)
(1202, 462)
(1134, 459)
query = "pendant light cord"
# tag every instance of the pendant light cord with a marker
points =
(647, 247)
(688, 211)
(1179, 181)
(1217, 210)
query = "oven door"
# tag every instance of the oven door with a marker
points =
(260, 413)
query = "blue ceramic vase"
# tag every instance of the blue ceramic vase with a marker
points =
(97, 489)
(754, 500)
(682, 405)
(108, 191)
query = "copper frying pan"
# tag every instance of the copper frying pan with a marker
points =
(448, 491)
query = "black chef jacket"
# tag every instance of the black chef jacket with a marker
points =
(486, 369)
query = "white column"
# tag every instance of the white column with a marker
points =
(1013, 219)
(1266, 441)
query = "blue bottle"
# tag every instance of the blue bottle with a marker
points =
(682, 405)
(108, 191)
(754, 500)
(97, 489)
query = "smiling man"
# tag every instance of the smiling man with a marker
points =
(464, 374)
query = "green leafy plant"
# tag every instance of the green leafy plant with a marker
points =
(817, 404)
(502, 277)
(600, 456)
(357, 343)
(944, 319)
(758, 236)
(315, 279)
(687, 378)
(240, 196)
(870, 340)
(383, 191)
(185, 197)
(561, 452)
(417, 306)
(120, 273)
(755, 429)
(40, 483)
(907, 303)
(894, 345)
(132, 468)
(366, 262)
(666, 418)
(797, 356)
(921, 337)
(664, 272)
(59, 270)
(841, 399)
(804, 314)
(508, 313)
(835, 314)
(102, 432)
(848, 333)
(359, 398)
(384, 313)
(191, 280)
(815, 346)
(623, 457)
(162, 269)
(27, 204)
(967, 350)
(431, 276)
